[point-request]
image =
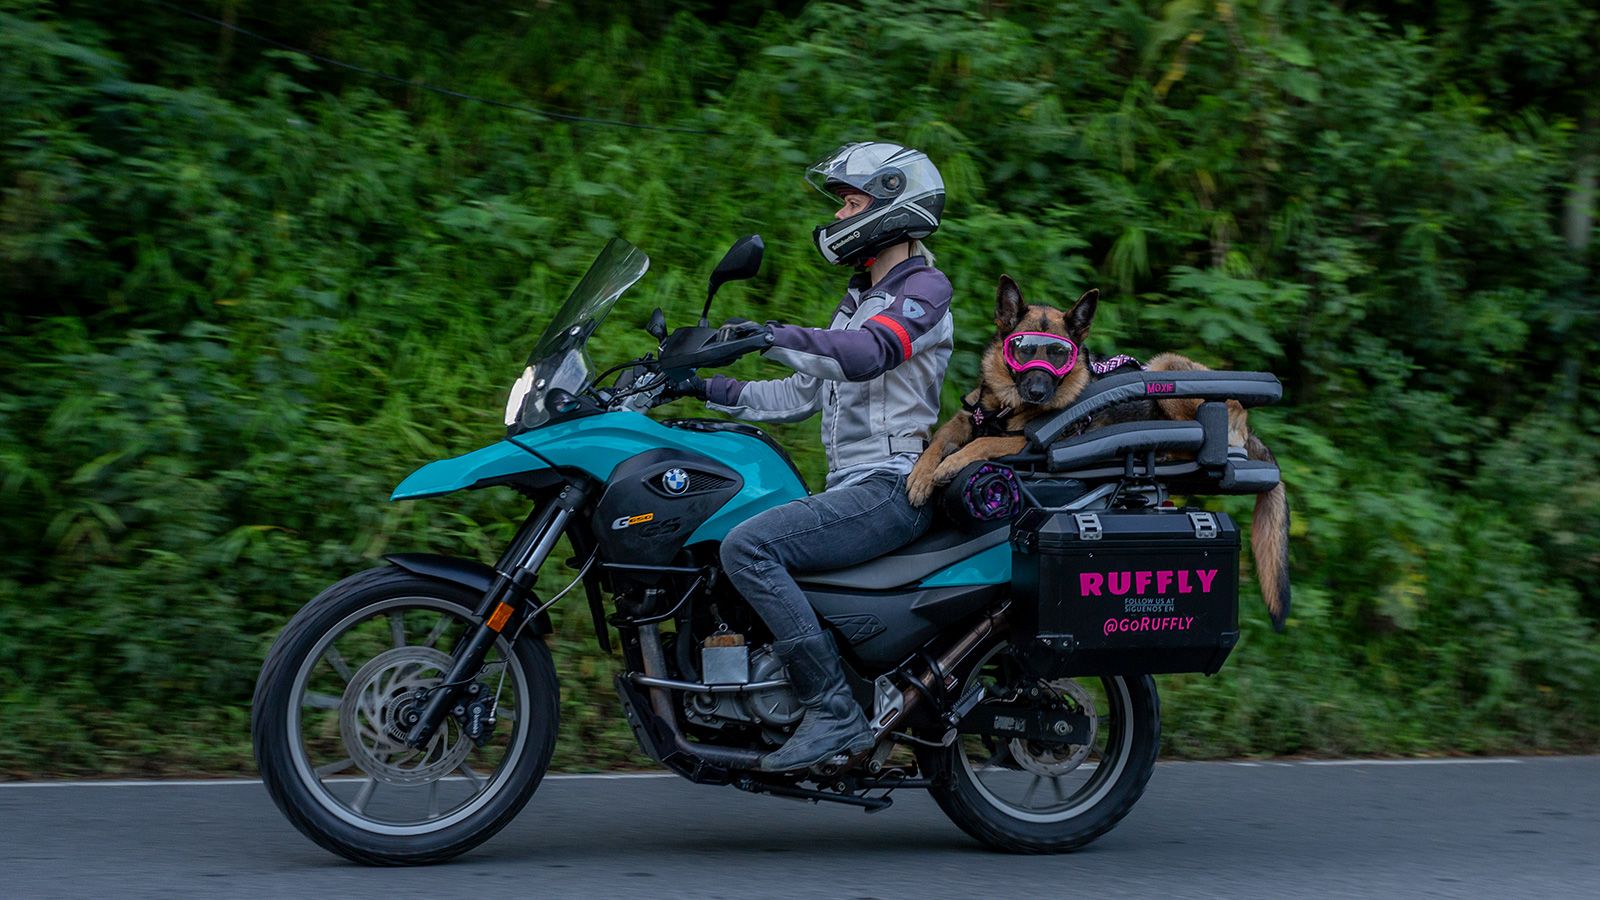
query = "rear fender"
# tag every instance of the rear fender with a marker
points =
(470, 574)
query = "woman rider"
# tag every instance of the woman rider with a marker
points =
(874, 373)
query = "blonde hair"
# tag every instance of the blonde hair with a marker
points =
(920, 249)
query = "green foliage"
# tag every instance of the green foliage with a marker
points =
(246, 292)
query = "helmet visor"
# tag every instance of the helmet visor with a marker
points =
(874, 168)
(1040, 350)
(831, 174)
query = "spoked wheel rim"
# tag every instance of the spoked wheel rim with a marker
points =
(1051, 783)
(338, 715)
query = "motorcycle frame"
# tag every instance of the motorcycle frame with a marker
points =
(646, 687)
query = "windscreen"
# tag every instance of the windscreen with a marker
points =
(619, 265)
(559, 360)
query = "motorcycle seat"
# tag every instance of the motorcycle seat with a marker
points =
(938, 549)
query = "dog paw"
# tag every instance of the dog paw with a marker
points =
(919, 486)
(948, 470)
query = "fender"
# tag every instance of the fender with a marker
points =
(470, 574)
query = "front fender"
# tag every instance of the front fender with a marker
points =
(467, 573)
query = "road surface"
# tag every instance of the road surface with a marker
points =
(1468, 828)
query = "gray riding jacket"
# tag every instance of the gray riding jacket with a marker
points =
(874, 373)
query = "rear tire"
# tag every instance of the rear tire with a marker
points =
(304, 796)
(1104, 794)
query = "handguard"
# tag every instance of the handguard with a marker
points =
(694, 347)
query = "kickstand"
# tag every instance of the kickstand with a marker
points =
(884, 797)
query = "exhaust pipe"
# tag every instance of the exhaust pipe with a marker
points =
(949, 661)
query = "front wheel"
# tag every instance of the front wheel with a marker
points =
(1024, 796)
(331, 699)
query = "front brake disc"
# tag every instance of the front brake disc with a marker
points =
(373, 711)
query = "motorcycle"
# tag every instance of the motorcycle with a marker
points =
(409, 712)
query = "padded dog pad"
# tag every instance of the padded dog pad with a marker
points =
(1248, 388)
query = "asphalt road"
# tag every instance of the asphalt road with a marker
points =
(1502, 828)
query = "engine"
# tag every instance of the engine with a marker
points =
(774, 708)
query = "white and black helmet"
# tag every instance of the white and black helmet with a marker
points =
(907, 199)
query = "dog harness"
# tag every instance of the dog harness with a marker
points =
(1111, 364)
(984, 422)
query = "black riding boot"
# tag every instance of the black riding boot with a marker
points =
(833, 721)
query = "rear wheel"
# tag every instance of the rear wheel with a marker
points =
(331, 699)
(1031, 797)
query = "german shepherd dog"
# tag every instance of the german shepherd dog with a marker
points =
(1033, 368)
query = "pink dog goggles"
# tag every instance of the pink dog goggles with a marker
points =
(1040, 350)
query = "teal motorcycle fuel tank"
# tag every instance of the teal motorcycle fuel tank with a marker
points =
(597, 445)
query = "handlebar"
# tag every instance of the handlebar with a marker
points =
(684, 350)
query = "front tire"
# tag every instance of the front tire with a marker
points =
(331, 682)
(988, 787)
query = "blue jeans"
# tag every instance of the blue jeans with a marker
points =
(830, 530)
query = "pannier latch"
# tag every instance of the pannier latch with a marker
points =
(1205, 524)
(1088, 526)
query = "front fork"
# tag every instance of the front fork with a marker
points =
(516, 572)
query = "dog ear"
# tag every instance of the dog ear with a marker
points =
(1008, 305)
(1082, 313)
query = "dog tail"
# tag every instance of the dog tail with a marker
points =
(1269, 532)
(1269, 539)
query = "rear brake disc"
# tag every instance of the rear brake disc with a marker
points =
(1055, 760)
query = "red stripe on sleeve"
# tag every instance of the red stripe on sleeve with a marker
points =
(899, 332)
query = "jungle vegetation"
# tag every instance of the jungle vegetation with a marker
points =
(244, 291)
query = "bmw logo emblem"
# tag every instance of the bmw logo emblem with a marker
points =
(676, 481)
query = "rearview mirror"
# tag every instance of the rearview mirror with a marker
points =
(657, 326)
(743, 260)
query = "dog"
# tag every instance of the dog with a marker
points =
(1034, 368)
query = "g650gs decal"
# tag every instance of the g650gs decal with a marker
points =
(621, 522)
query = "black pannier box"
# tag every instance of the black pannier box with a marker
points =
(1125, 592)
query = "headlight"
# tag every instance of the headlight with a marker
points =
(519, 395)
